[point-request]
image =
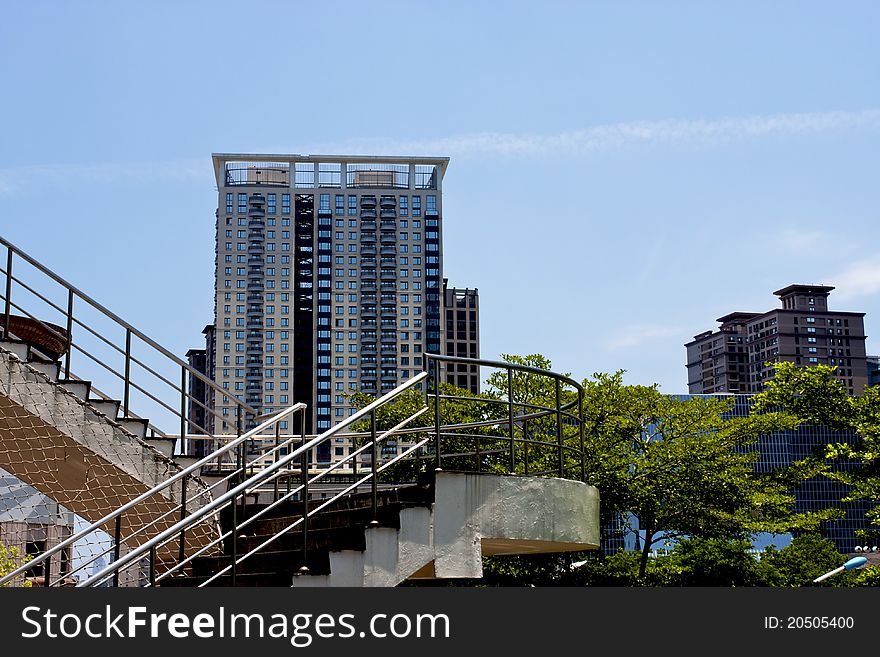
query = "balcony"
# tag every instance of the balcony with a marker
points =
(256, 236)
(388, 250)
(255, 247)
(368, 238)
(389, 310)
(386, 285)
(368, 323)
(368, 213)
(388, 237)
(387, 201)
(368, 311)
(389, 349)
(368, 224)
(388, 274)
(368, 249)
(256, 222)
(368, 274)
(368, 201)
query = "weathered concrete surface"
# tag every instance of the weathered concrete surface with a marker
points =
(57, 443)
(472, 515)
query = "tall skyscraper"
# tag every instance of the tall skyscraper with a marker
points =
(329, 275)
(734, 358)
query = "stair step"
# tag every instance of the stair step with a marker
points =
(136, 426)
(248, 579)
(320, 539)
(79, 388)
(164, 445)
(50, 369)
(109, 407)
(17, 347)
(186, 461)
(283, 562)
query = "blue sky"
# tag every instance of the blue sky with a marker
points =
(621, 173)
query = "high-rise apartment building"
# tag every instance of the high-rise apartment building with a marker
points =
(329, 275)
(734, 359)
(461, 307)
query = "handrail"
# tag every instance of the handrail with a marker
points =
(121, 322)
(213, 506)
(113, 515)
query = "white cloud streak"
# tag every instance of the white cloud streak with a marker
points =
(16, 179)
(636, 335)
(616, 136)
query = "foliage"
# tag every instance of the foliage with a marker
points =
(10, 559)
(813, 395)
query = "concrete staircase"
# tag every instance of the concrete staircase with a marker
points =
(437, 529)
(73, 446)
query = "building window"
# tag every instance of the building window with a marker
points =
(285, 204)
(352, 205)
(340, 204)
(228, 202)
(270, 204)
(324, 202)
(416, 206)
(403, 210)
(431, 204)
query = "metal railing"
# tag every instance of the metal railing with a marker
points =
(162, 512)
(533, 422)
(528, 424)
(235, 499)
(130, 360)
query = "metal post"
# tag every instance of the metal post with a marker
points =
(374, 487)
(277, 442)
(183, 409)
(125, 395)
(8, 292)
(152, 565)
(581, 433)
(69, 334)
(47, 572)
(304, 467)
(117, 537)
(437, 413)
(526, 445)
(559, 428)
(510, 419)
(233, 549)
(180, 548)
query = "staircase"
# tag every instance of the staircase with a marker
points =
(502, 485)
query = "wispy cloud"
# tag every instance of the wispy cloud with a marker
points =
(795, 240)
(860, 279)
(614, 136)
(636, 335)
(17, 179)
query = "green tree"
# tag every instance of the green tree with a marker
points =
(10, 559)
(813, 395)
(684, 467)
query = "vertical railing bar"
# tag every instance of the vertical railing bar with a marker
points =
(69, 334)
(180, 549)
(526, 444)
(374, 484)
(510, 419)
(127, 379)
(233, 548)
(436, 362)
(559, 427)
(152, 565)
(116, 548)
(304, 461)
(277, 456)
(6, 313)
(183, 410)
(581, 433)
